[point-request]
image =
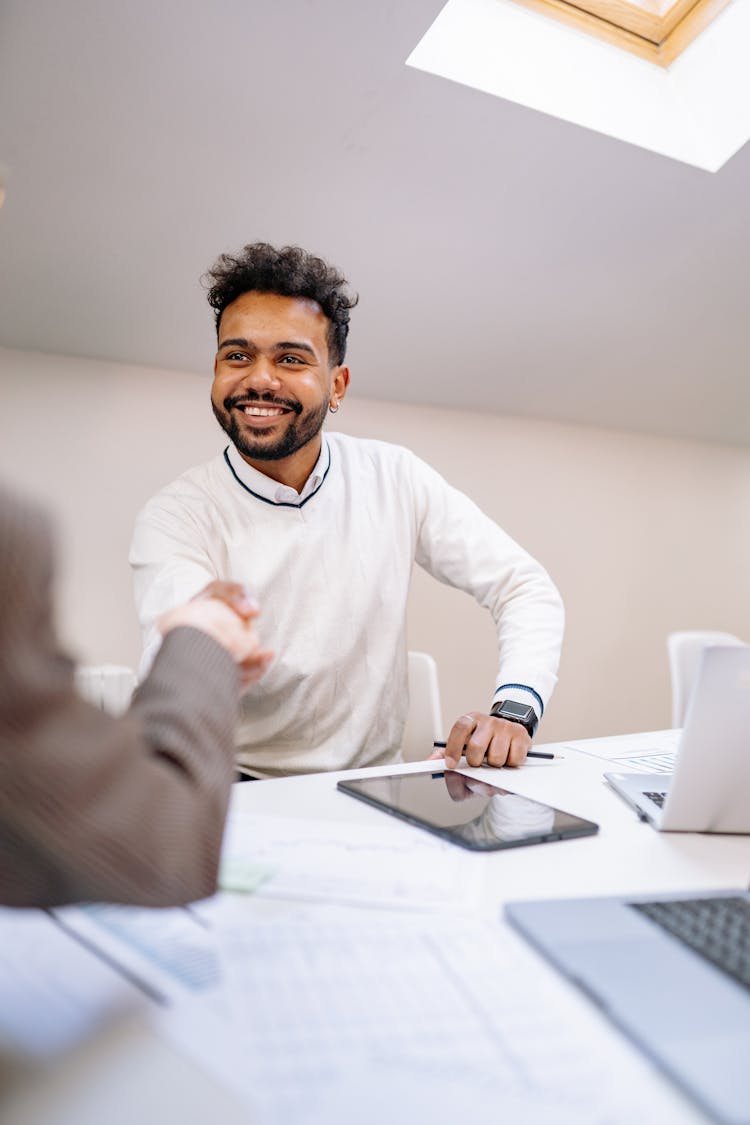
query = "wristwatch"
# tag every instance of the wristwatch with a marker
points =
(516, 713)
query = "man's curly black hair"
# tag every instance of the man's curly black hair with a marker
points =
(289, 272)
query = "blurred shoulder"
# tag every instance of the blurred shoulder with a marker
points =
(26, 564)
(24, 527)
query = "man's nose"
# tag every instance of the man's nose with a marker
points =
(263, 375)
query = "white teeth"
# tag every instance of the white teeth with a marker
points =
(263, 411)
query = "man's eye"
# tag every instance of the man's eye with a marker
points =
(235, 355)
(291, 359)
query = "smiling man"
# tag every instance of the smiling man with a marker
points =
(326, 530)
(273, 386)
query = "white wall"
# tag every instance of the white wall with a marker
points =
(642, 535)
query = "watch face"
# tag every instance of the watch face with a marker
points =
(516, 710)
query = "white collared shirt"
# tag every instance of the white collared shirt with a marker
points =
(267, 489)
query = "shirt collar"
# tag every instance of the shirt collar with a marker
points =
(271, 490)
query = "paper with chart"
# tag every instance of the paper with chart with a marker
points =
(316, 1013)
(648, 752)
(350, 1015)
(347, 862)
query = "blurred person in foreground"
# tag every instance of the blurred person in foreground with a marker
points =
(97, 808)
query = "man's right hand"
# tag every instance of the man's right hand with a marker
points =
(225, 612)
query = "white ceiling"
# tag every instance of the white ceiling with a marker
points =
(505, 261)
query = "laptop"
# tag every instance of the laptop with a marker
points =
(672, 972)
(709, 788)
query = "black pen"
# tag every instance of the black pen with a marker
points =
(529, 753)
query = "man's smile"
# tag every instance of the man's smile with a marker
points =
(261, 408)
(264, 411)
(261, 415)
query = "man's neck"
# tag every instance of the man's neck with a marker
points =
(292, 471)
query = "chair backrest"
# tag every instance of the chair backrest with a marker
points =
(111, 686)
(107, 686)
(424, 722)
(685, 651)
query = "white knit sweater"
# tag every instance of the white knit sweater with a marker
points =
(331, 570)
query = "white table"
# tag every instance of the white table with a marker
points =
(626, 856)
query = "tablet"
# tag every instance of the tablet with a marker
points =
(467, 811)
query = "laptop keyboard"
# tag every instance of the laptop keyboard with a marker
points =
(716, 928)
(657, 798)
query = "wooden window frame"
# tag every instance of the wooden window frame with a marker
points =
(636, 27)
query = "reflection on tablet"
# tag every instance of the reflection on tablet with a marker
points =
(509, 816)
(467, 811)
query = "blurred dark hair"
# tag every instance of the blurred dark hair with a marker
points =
(289, 272)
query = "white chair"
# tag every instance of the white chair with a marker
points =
(685, 651)
(111, 686)
(107, 686)
(424, 721)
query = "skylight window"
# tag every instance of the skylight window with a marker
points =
(656, 30)
(693, 105)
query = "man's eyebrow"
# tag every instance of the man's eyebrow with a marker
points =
(281, 346)
(236, 342)
(294, 346)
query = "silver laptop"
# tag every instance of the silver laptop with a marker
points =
(672, 972)
(709, 789)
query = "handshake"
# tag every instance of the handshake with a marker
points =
(225, 611)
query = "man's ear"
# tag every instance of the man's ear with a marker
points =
(339, 382)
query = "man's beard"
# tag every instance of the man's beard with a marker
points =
(302, 430)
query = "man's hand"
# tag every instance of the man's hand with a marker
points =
(233, 594)
(225, 612)
(485, 739)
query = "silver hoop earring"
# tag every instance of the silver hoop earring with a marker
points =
(333, 409)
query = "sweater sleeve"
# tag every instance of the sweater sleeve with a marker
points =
(461, 546)
(92, 807)
(171, 563)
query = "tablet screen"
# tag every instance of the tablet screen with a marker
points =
(467, 811)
